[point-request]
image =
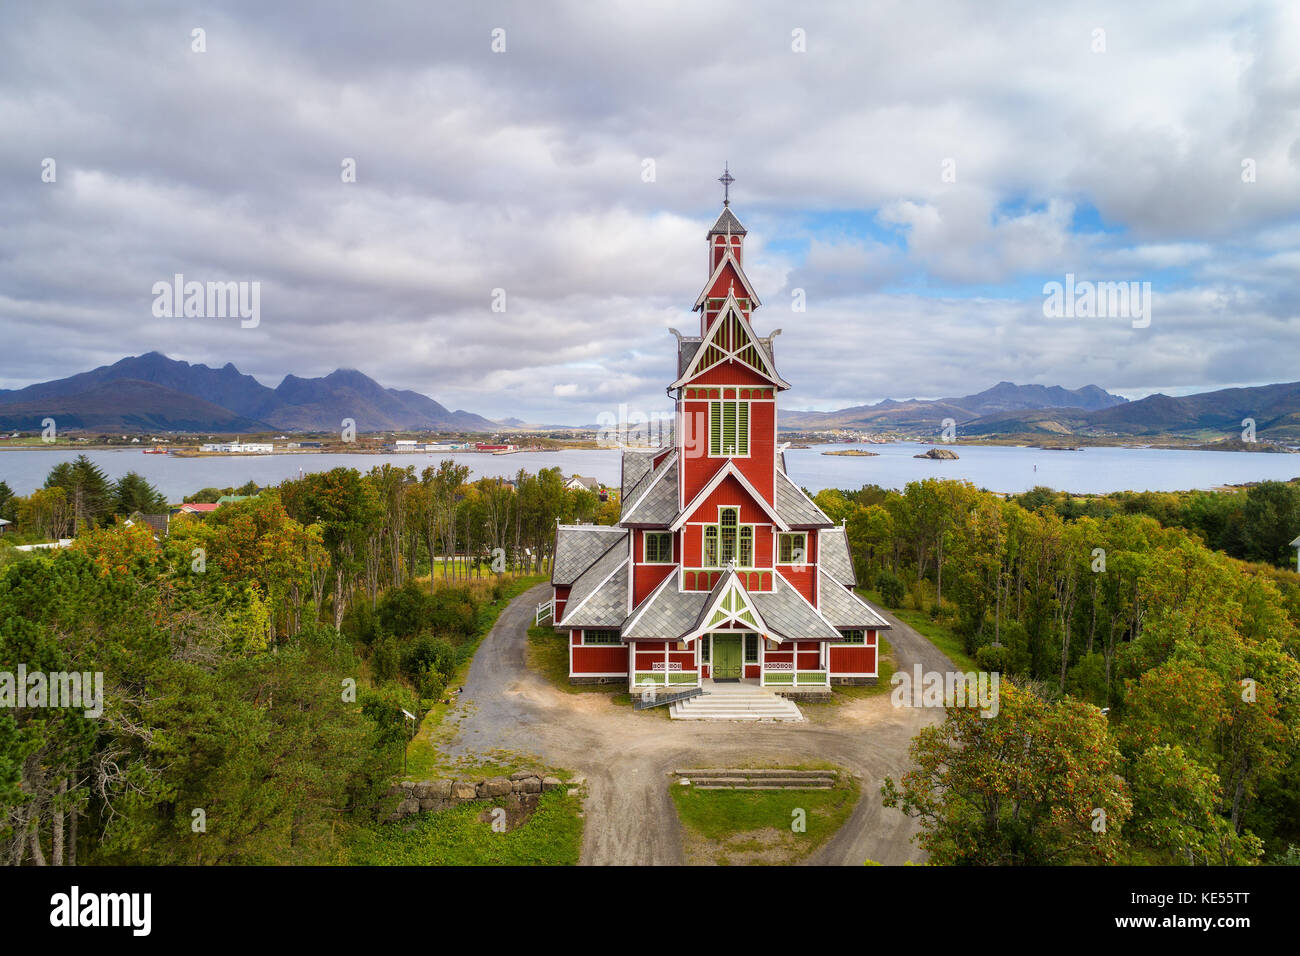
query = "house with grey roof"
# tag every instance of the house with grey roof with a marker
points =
(720, 569)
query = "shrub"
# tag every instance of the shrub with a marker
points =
(993, 658)
(890, 587)
(429, 654)
(385, 657)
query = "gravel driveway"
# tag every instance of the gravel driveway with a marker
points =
(626, 755)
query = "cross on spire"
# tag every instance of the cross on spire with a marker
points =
(726, 179)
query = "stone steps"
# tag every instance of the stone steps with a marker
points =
(767, 779)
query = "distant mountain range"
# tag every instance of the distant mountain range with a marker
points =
(154, 393)
(1274, 410)
(1008, 409)
(1004, 398)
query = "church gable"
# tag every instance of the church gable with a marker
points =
(729, 606)
(732, 339)
(728, 279)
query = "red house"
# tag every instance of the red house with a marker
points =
(720, 569)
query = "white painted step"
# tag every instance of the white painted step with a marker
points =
(736, 703)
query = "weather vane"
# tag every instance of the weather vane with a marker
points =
(726, 179)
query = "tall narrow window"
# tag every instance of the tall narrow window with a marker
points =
(728, 540)
(727, 521)
(751, 648)
(728, 428)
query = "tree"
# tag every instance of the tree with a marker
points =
(8, 504)
(89, 493)
(45, 512)
(1174, 812)
(133, 493)
(1036, 784)
(346, 507)
(1271, 521)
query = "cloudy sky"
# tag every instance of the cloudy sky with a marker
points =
(919, 170)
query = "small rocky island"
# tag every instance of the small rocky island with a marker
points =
(938, 454)
(853, 453)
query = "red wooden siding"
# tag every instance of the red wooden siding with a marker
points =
(647, 577)
(853, 660)
(603, 659)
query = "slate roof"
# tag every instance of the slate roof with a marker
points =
(594, 586)
(578, 546)
(654, 501)
(727, 222)
(795, 508)
(667, 612)
(156, 522)
(833, 555)
(843, 608)
(789, 615)
(686, 350)
(636, 467)
(607, 606)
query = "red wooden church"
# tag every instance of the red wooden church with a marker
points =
(720, 568)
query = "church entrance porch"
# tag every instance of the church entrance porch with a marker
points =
(728, 657)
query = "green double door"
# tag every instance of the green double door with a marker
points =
(728, 656)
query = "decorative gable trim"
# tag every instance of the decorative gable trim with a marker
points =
(717, 274)
(750, 352)
(730, 604)
(728, 469)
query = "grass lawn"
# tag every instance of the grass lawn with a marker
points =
(463, 836)
(755, 827)
(941, 636)
(547, 654)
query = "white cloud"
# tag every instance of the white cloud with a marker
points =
(522, 171)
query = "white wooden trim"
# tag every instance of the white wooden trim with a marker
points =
(711, 486)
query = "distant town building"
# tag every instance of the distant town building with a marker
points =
(158, 523)
(239, 448)
(584, 483)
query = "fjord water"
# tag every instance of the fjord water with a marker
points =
(995, 467)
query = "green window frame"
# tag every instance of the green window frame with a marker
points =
(600, 636)
(728, 540)
(659, 547)
(792, 548)
(751, 648)
(704, 649)
(728, 428)
(728, 526)
(853, 636)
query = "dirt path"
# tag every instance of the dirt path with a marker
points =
(626, 756)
